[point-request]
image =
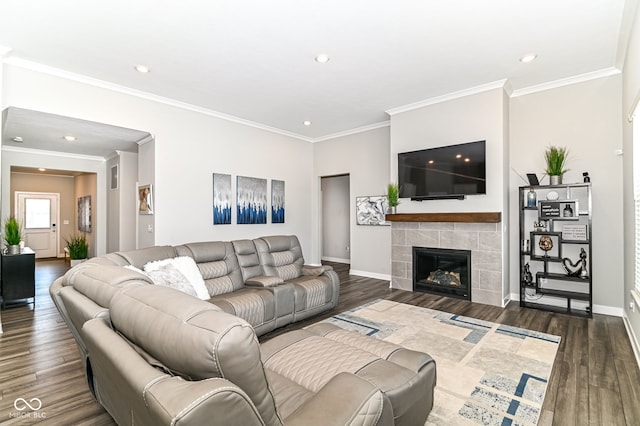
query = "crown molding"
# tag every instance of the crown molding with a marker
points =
(357, 130)
(53, 153)
(57, 72)
(580, 78)
(500, 84)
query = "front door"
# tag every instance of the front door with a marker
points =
(38, 213)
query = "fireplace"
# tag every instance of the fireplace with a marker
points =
(442, 271)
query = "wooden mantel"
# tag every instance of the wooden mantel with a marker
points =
(469, 217)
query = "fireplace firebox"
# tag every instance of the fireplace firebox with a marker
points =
(446, 272)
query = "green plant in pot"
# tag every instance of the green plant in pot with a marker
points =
(393, 191)
(12, 235)
(78, 248)
(556, 158)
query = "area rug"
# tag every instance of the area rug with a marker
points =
(487, 373)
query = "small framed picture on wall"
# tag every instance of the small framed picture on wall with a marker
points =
(145, 199)
(114, 177)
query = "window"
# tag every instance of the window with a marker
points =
(37, 212)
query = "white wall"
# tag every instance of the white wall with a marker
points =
(365, 157)
(630, 93)
(336, 203)
(189, 147)
(585, 117)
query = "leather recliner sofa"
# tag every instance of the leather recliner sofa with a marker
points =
(154, 355)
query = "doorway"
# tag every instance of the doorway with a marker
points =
(336, 231)
(39, 214)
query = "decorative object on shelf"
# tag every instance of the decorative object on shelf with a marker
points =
(533, 179)
(145, 199)
(585, 177)
(525, 246)
(277, 201)
(540, 226)
(84, 213)
(12, 235)
(78, 248)
(552, 195)
(370, 210)
(222, 199)
(577, 268)
(393, 191)
(527, 277)
(531, 198)
(545, 244)
(574, 232)
(568, 211)
(556, 158)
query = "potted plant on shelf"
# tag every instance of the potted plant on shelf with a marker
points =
(556, 158)
(392, 197)
(78, 248)
(12, 235)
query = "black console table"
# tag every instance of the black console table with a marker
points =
(17, 276)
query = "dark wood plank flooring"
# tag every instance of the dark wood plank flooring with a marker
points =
(595, 379)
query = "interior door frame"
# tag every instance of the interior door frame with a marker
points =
(16, 208)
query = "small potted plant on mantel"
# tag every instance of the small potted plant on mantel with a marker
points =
(78, 248)
(12, 235)
(556, 158)
(392, 197)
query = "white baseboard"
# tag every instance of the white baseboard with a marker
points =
(632, 337)
(336, 259)
(367, 274)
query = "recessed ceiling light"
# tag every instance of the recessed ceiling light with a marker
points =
(431, 161)
(18, 139)
(307, 123)
(528, 58)
(70, 138)
(142, 69)
(42, 170)
(466, 160)
(322, 58)
(458, 155)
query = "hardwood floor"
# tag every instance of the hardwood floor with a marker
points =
(595, 378)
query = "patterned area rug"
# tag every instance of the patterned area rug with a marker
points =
(488, 373)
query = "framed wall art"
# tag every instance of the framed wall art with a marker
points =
(84, 213)
(371, 210)
(222, 199)
(145, 199)
(114, 177)
(251, 200)
(277, 201)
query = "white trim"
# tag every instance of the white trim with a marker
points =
(353, 131)
(632, 338)
(52, 153)
(56, 72)
(607, 72)
(500, 84)
(336, 259)
(608, 310)
(375, 275)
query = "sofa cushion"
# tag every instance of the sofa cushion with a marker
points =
(217, 263)
(180, 273)
(280, 255)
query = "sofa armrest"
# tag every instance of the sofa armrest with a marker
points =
(315, 270)
(181, 402)
(264, 281)
(352, 401)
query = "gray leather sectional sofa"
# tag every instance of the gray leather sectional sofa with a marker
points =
(155, 355)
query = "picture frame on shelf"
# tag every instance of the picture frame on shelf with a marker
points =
(546, 246)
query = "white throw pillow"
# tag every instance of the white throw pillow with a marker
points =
(187, 266)
(170, 276)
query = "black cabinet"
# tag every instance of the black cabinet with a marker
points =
(17, 276)
(555, 248)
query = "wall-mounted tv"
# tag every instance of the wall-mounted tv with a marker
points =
(452, 171)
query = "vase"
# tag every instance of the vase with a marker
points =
(74, 262)
(13, 249)
(392, 210)
(555, 179)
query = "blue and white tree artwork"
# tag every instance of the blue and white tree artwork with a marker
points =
(277, 201)
(251, 201)
(221, 199)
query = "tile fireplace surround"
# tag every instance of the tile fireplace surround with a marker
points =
(479, 232)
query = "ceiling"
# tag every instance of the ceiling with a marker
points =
(253, 60)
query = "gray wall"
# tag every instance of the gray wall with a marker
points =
(335, 219)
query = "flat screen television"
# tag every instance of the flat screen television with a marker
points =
(452, 171)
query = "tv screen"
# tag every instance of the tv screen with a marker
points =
(454, 170)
